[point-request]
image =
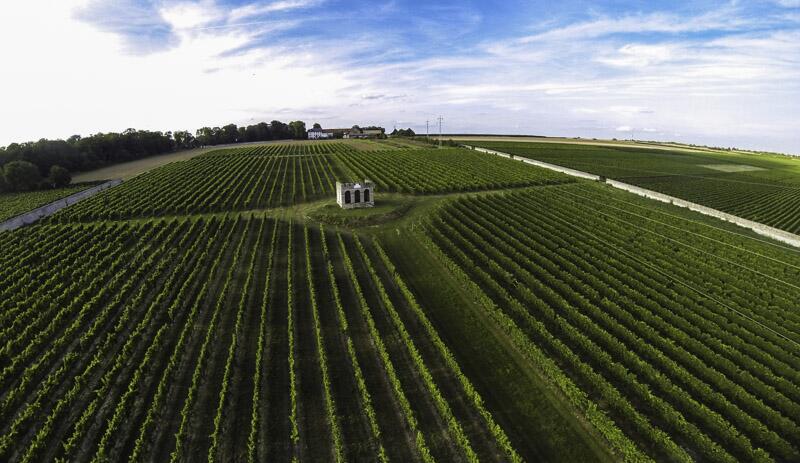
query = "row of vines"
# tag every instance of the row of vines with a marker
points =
(254, 178)
(224, 339)
(771, 204)
(426, 171)
(213, 184)
(284, 149)
(764, 189)
(14, 204)
(675, 336)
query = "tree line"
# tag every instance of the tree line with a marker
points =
(402, 133)
(48, 163)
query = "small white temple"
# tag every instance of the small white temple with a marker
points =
(350, 195)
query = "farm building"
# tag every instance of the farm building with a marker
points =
(366, 132)
(335, 133)
(352, 195)
(317, 133)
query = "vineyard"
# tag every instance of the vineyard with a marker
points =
(272, 176)
(225, 180)
(772, 204)
(437, 171)
(484, 310)
(293, 149)
(277, 340)
(688, 335)
(765, 189)
(14, 204)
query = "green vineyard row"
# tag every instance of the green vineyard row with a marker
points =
(127, 367)
(697, 364)
(764, 189)
(257, 178)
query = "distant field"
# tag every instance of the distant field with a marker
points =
(668, 146)
(581, 141)
(269, 176)
(131, 169)
(763, 188)
(732, 167)
(14, 204)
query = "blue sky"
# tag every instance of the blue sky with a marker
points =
(707, 72)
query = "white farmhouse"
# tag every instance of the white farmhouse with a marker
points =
(352, 195)
(317, 133)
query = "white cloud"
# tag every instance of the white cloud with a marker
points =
(76, 79)
(709, 89)
(624, 128)
(255, 9)
(640, 55)
(721, 19)
(629, 110)
(187, 15)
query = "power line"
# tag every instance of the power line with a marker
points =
(440, 119)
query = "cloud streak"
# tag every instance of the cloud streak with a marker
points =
(256, 9)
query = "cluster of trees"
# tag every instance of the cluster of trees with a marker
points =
(275, 130)
(48, 163)
(435, 140)
(402, 133)
(26, 176)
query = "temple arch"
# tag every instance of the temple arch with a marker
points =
(358, 196)
(347, 197)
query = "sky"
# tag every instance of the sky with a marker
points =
(720, 73)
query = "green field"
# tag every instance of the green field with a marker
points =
(682, 331)
(14, 204)
(280, 175)
(224, 309)
(764, 188)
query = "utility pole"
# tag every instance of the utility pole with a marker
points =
(440, 119)
(426, 131)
